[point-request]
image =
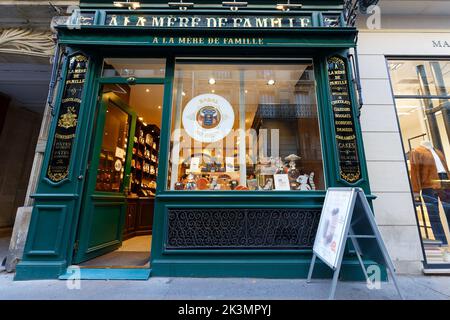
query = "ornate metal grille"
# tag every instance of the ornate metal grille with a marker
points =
(228, 228)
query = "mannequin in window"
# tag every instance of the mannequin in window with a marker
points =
(429, 172)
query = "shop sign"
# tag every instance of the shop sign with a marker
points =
(210, 22)
(67, 121)
(441, 44)
(208, 118)
(205, 41)
(349, 165)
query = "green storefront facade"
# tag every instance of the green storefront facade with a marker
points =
(262, 232)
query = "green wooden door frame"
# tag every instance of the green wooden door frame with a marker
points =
(85, 231)
(192, 262)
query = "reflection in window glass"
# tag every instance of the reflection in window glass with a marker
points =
(138, 68)
(114, 150)
(245, 127)
(425, 127)
(414, 77)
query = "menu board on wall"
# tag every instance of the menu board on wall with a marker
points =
(349, 165)
(67, 121)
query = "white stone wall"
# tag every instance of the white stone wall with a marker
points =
(388, 174)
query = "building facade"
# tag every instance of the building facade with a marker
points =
(199, 139)
(26, 55)
(404, 59)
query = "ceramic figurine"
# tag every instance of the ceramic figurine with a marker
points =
(311, 181)
(179, 186)
(214, 185)
(292, 171)
(303, 181)
(279, 166)
(191, 184)
(269, 184)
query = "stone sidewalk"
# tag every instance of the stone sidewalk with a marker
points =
(413, 287)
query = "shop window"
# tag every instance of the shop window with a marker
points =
(138, 68)
(421, 89)
(245, 126)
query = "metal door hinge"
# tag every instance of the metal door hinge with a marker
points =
(76, 246)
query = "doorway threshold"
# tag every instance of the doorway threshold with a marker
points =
(105, 273)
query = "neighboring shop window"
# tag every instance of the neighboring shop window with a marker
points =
(245, 126)
(421, 89)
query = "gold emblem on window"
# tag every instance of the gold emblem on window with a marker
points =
(68, 119)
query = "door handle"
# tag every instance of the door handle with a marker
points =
(80, 177)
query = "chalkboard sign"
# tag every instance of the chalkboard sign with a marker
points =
(349, 166)
(67, 121)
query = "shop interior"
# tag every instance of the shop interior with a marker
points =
(140, 187)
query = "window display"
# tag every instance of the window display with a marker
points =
(423, 103)
(245, 126)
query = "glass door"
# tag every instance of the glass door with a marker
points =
(104, 203)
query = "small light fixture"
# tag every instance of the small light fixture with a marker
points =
(183, 93)
(271, 82)
(234, 5)
(213, 91)
(288, 6)
(183, 6)
(141, 119)
(144, 124)
(131, 5)
(246, 91)
(159, 107)
(212, 81)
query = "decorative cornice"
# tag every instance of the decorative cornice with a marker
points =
(26, 42)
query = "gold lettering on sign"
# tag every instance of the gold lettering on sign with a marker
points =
(261, 22)
(275, 22)
(237, 22)
(291, 22)
(304, 22)
(158, 22)
(184, 22)
(141, 22)
(195, 21)
(113, 21)
(211, 22)
(171, 21)
(222, 22)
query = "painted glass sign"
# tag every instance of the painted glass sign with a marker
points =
(58, 166)
(203, 21)
(349, 166)
(208, 118)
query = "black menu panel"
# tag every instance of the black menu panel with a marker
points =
(349, 165)
(59, 163)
